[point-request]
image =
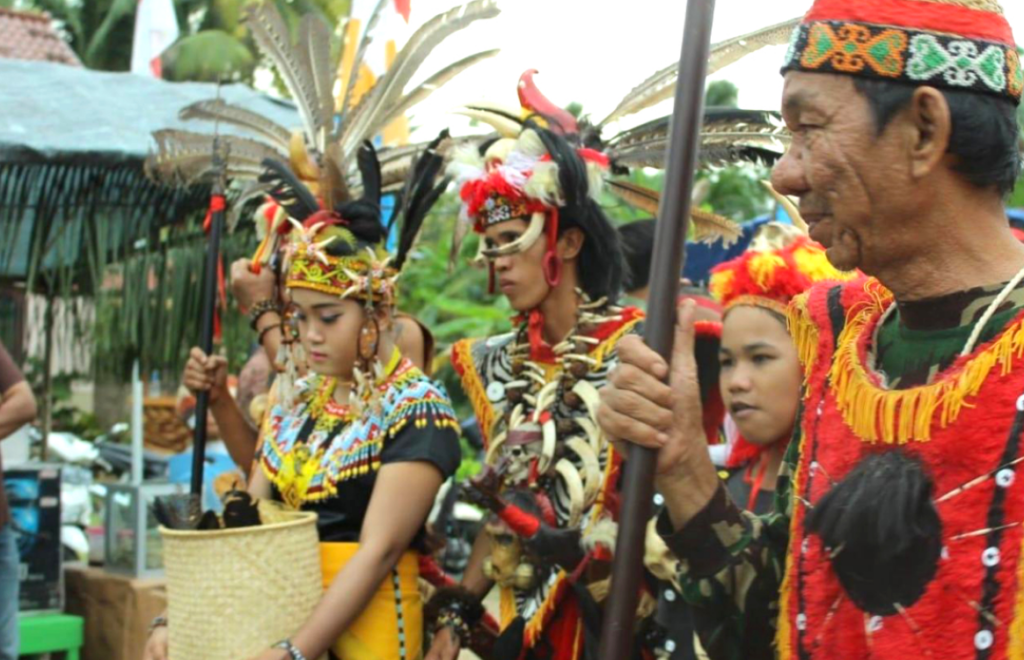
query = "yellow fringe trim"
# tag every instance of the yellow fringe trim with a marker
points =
(474, 387)
(536, 624)
(600, 353)
(762, 268)
(507, 606)
(783, 634)
(1015, 644)
(899, 416)
(805, 334)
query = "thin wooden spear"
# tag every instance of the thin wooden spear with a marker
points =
(669, 254)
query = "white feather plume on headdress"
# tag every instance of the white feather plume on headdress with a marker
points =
(544, 184)
(595, 179)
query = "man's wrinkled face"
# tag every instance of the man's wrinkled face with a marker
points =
(853, 185)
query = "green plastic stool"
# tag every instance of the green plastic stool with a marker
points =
(51, 633)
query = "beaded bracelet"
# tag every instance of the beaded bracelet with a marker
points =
(259, 309)
(453, 620)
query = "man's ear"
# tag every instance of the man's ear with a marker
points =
(570, 243)
(931, 123)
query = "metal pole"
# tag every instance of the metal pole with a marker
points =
(669, 255)
(48, 374)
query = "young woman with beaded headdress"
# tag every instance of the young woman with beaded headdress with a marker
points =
(367, 439)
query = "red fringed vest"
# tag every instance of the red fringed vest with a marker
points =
(965, 428)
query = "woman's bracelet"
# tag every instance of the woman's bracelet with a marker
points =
(262, 307)
(158, 622)
(293, 650)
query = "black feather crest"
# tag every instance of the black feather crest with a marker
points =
(421, 192)
(362, 216)
(883, 530)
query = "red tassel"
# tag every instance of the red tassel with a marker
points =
(535, 332)
(403, 7)
(547, 511)
(522, 523)
(594, 156)
(217, 203)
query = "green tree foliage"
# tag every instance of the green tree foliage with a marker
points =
(735, 192)
(452, 301)
(722, 94)
(214, 43)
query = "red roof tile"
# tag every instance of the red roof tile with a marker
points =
(28, 36)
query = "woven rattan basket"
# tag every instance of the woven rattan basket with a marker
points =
(233, 593)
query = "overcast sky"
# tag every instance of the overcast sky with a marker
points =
(594, 51)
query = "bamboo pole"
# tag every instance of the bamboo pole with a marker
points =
(669, 256)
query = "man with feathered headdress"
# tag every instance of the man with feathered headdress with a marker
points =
(550, 475)
(897, 530)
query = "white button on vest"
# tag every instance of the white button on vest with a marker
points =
(495, 391)
(983, 640)
(990, 557)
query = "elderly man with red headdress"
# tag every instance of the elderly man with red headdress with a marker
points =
(897, 530)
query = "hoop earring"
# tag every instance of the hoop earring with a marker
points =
(552, 269)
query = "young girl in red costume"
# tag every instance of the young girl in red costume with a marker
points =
(760, 375)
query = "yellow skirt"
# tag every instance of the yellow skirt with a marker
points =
(391, 626)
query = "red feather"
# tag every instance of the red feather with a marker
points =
(403, 7)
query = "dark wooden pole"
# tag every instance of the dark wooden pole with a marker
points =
(209, 302)
(666, 268)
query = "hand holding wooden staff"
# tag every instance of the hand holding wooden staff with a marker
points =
(665, 417)
(670, 243)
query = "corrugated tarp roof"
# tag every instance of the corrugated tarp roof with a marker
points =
(72, 146)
